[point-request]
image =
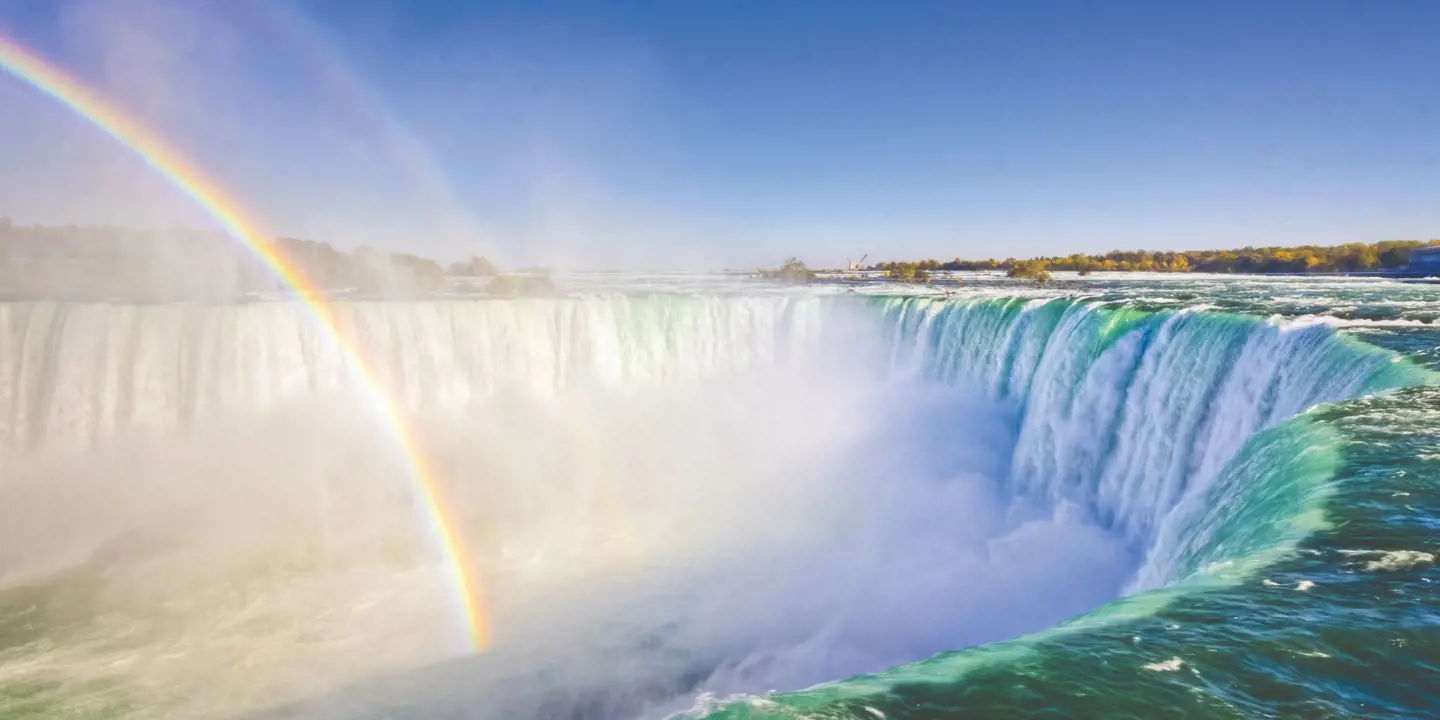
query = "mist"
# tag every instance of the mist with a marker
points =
(760, 523)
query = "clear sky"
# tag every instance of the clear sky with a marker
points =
(736, 132)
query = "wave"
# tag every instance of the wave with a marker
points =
(1340, 322)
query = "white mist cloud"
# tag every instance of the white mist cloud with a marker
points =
(733, 520)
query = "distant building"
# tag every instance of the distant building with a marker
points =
(1424, 260)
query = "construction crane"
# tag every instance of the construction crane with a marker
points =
(856, 265)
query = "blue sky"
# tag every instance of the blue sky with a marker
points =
(736, 133)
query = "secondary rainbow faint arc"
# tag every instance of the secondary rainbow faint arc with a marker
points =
(30, 68)
(409, 153)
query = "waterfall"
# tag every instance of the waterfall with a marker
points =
(72, 375)
(667, 493)
(1125, 414)
(1133, 415)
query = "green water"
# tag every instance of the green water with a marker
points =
(1332, 612)
(1359, 641)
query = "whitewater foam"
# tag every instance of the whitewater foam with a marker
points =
(1399, 560)
(1172, 665)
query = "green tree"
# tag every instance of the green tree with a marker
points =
(908, 272)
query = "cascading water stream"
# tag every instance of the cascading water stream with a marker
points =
(75, 374)
(712, 473)
(1128, 414)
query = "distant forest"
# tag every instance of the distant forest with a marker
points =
(1352, 257)
(109, 262)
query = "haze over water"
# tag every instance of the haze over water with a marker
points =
(267, 450)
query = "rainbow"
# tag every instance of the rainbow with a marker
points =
(45, 77)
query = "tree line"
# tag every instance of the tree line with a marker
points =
(1350, 257)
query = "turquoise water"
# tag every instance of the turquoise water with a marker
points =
(1304, 582)
(1358, 641)
(1264, 450)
